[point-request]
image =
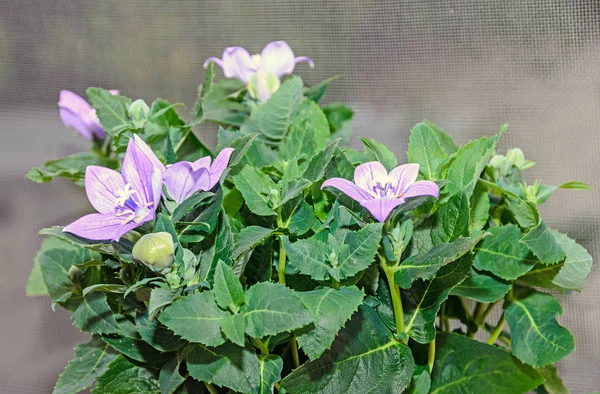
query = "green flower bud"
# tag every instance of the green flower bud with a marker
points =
(501, 164)
(155, 250)
(138, 111)
(262, 85)
(515, 157)
(75, 274)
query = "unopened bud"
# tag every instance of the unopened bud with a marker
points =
(263, 84)
(75, 273)
(500, 163)
(515, 157)
(155, 250)
(138, 111)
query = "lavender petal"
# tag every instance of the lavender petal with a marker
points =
(148, 152)
(306, 59)
(75, 113)
(278, 58)
(381, 208)
(102, 186)
(102, 226)
(182, 181)
(366, 174)
(216, 60)
(403, 176)
(138, 170)
(422, 188)
(237, 63)
(203, 162)
(219, 165)
(348, 188)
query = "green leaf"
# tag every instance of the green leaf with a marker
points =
(256, 187)
(480, 207)
(553, 383)
(331, 309)
(228, 366)
(422, 302)
(159, 298)
(425, 265)
(546, 191)
(157, 335)
(379, 152)
(502, 254)
(196, 318)
(309, 257)
(241, 146)
(233, 328)
(123, 376)
(425, 149)
(249, 238)
(189, 204)
(536, 337)
(273, 119)
(309, 117)
(316, 92)
(111, 109)
(468, 163)
(451, 220)
(229, 293)
(542, 243)
(129, 343)
(359, 250)
(464, 365)
(203, 91)
(317, 166)
(567, 275)
(35, 283)
(71, 167)
(481, 287)
(91, 360)
(340, 118)
(170, 379)
(105, 288)
(446, 142)
(363, 359)
(421, 381)
(290, 189)
(219, 246)
(270, 372)
(271, 309)
(94, 316)
(298, 216)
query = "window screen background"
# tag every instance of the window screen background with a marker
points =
(468, 66)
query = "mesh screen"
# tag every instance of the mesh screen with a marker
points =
(466, 65)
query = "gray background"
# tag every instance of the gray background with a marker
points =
(469, 66)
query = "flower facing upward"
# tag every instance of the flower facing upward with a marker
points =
(77, 113)
(124, 201)
(380, 192)
(183, 179)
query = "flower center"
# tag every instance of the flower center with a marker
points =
(124, 194)
(382, 186)
(128, 208)
(256, 60)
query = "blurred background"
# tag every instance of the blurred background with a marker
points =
(467, 65)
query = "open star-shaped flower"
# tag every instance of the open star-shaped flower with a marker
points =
(380, 192)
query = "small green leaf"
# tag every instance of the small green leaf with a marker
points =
(480, 207)
(94, 316)
(196, 318)
(71, 167)
(309, 257)
(157, 335)
(233, 328)
(229, 293)
(425, 149)
(542, 243)
(318, 164)
(256, 187)
(249, 238)
(451, 220)
(502, 254)
(241, 146)
(421, 381)
(359, 249)
(464, 365)
(270, 372)
(189, 204)
(169, 378)
(331, 309)
(228, 366)
(160, 298)
(379, 152)
(553, 383)
(123, 375)
(35, 283)
(91, 360)
(271, 309)
(111, 109)
(536, 337)
(365, 345)
(316, 92)
(481, 287)
(290, 189)
(128, 342)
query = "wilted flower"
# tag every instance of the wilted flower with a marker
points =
(381, 192)
(183, 179)
(77, 113)
(124, 201)
(155, 250)
(276, 60)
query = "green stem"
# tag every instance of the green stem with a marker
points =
(211, 389)
(431, 355)
(262, 346)
(463, 303)
(396, 300)
(478, 311)
(282, 255)
(497, 331)
(295, 356)
(487, 312)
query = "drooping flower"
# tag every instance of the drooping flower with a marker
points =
(183, 179)
(77, 113)
(380, 192)
(123, 200)
(276, 60)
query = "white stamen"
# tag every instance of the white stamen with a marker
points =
(124, 194)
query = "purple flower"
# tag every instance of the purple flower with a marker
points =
(124, 201)
(183, 179)
(277, 57)
(381, 192)
(77, 113)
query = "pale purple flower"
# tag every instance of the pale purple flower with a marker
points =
(77, 113)
(124, 201)
(183, 178)
(381, 192)
(277, 57)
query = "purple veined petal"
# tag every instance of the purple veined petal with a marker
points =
(237, 63)
(137, 170)
(74, 121)
(157, 192)
(148, 152)
(301, 59)
(75, 112)
(95, 125)
(403, 176)
(366, 174)
(422, 188)
(102, 226)
(217, 61)
(278, 58)
(102, 186)
(202, 180)
(203, 162)
(182, 181)
(219, 165)
(381, 208)
(348, 188)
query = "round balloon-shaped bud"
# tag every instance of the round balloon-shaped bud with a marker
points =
(155, 250)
